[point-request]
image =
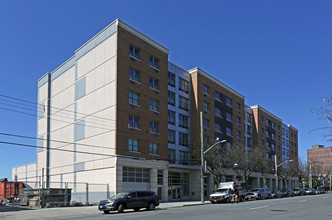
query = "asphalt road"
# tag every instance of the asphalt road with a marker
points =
(316, 207)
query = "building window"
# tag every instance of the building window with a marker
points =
(134, 52)
(183, 103)
(205, 90)
(154, 84)
(272, 136)
(217, 96)
(133, 121)
(183, 139)
(183, 121)
(171, 98)
(228, 101)
(154, 127)
(134, 75)
(184, 157)
(183, 85)
(154, 105)
(273, 147)
(171, 117)
(153, 148)
(217, 127)
(238, 106)
(238, 135)
(249, 130)
(133, 145)
(228, 116)
(272, 124)
(133, 174)
(217, 111)
(229, 131)
(238, 120)
(262, 119)
(206, 106)
(133, 98)
(249, 117)
(262, 131)
(206, 123)
(171, 136)
(267, 144)
(249, 142)
(171, 79)
(267, 122)
(171, 155)
(206, 140)
(80, 88)
(154, 62)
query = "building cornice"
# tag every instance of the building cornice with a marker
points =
(205, 74)
(265, 111)
(290, 126)
(142, 36)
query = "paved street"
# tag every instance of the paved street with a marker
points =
(306, 207)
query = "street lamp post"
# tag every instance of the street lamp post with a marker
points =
(202, 166)
(276, 168)
(202, 156)
(310, 174)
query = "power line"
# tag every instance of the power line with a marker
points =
(57, 149)
(27, 137)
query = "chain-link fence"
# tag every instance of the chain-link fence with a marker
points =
(35, 194)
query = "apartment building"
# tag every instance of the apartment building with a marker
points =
(320, 159)
(118, 113)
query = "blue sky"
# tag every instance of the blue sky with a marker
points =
(276, 53)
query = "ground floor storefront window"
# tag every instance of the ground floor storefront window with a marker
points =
(178, 185)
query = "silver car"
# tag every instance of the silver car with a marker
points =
(259, 193)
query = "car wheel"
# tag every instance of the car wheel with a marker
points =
(151, 206)
(106, 211)
(227, 200)
(136, 209)
(120, 208)
(270, 197)
(259, 197)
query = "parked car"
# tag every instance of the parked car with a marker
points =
(259, 193)
(310, 191)
(130, 200)
(322, 191)
(299, 192)
(316, 191)
(288, 192)
(276, 194)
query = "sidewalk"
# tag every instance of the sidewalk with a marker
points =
(29, 213)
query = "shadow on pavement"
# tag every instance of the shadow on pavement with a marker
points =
(13, 208)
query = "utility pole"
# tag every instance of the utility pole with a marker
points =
(276, 169)
(48, 141)
(202, 158)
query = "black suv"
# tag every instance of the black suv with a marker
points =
(130, 200)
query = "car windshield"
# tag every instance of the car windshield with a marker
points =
(254, 190)
(119, 196)
(221, 191)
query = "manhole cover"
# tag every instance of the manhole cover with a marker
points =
(278, 210)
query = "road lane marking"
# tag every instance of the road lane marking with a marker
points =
(303, 200)
(325, 197)
(261, 207)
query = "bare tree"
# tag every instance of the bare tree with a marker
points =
(242, 161)
(325, 113)
(260, 163)
(289, 171)
(216, 160)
